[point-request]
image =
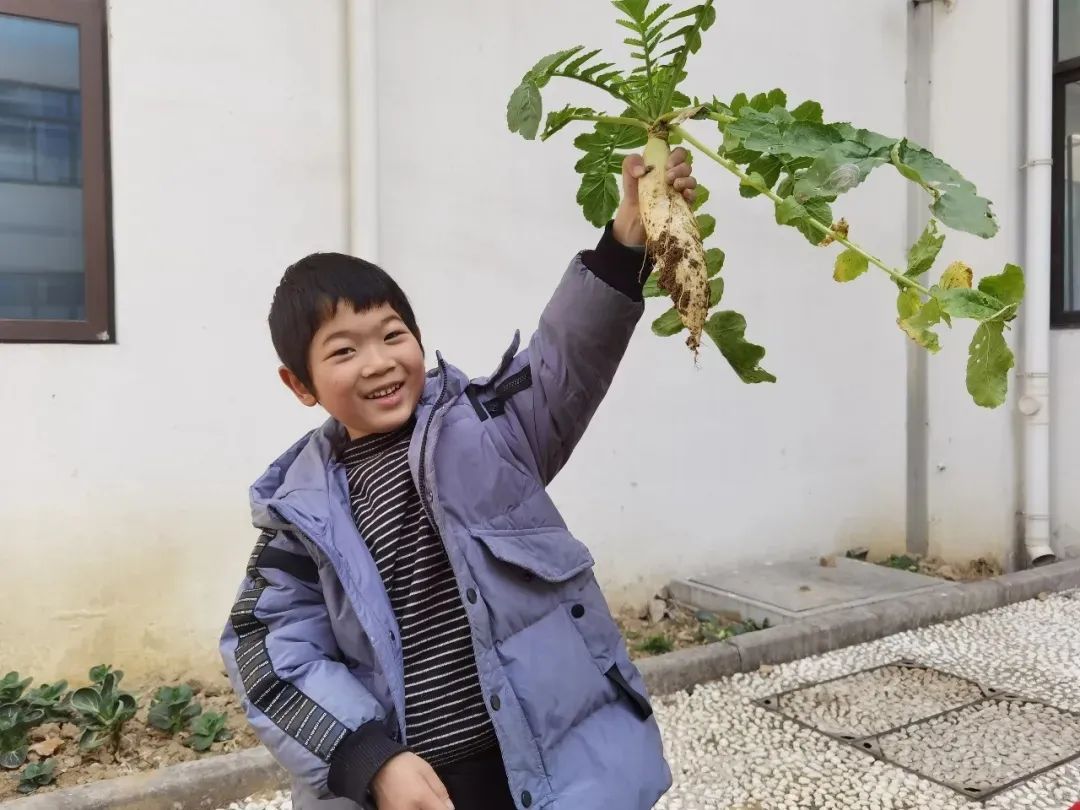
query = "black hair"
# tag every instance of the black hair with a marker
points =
(309, 294)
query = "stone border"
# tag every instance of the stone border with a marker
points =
(216, 781)
(203, 784)
(679, 670)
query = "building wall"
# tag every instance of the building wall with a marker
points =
(977, 125)
(684, 467)
(978, 122)
(127, 465)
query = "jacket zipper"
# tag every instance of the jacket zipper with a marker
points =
(423, 447)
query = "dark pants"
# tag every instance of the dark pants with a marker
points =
(478, 783)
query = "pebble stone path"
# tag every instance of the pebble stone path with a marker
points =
(729, 754)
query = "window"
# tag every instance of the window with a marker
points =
(1065, 228)
(55, 279)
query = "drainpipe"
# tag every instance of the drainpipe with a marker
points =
(919, 82)
(1035, 400)
(361, 128)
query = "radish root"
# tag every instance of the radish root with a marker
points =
(673, 241)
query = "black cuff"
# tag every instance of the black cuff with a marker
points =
(358, 758)
(624, 268)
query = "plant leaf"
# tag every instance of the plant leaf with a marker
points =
(808, 111)
(90, 740)
(668, 324)
(1007, 286)
(727, 330)
(706, 224)
(701, 196)
(98, 673)
(956, 202)
(716, 291)
(632, 8)
(969, 213)
(558, 119)
(86, 700)
(524, 110)
(652, 286)
(714, 261)
(789, 210)
(965, 303)
(917, 324)
(922, 254)
(14, 758)
(575, 64)
(767, 168)
(809, 139)
(849, 266)
(989, 362)
(838, 169)
(956, 276)
(598, 197)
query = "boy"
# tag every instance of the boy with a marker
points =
(417, 629)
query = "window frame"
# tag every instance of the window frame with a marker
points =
(98, 326)
(1065, 72)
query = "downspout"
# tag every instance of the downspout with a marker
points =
(1034, 399)
(919, 84)
(361, 128)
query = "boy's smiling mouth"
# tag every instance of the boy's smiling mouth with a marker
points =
(387, 391)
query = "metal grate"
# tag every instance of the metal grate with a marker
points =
(974, 739)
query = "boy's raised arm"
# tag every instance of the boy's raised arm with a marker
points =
(555, 385)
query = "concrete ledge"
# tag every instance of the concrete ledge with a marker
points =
(204, 784)
(695, 665)
(669, 673)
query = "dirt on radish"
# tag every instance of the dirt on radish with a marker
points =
(673, 242)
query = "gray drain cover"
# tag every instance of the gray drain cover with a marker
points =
(976, 740)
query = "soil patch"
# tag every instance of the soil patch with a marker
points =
(142, 747)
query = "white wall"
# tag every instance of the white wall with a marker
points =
(125, 467)
(977, 125)
(978, 119)
(683, 468)
(1065, 441)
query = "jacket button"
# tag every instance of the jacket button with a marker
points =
(471, 596)
(526, 799)
(495, 702)
(577, 611)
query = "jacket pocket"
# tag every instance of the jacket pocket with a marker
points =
(552, 554)
(523, 575)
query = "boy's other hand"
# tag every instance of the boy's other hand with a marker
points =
(407, 782)
(627, 227)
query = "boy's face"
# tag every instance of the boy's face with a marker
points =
(367, 369)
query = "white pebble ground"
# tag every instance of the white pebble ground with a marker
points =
(729, 754)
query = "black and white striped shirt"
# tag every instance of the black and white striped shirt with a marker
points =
(446, 719)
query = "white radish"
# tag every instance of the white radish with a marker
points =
(673, 241)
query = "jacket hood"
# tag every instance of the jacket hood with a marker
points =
(297, 486)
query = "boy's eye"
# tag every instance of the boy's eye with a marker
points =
(394, 335)
(344, 350)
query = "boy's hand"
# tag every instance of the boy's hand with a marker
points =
(407, 782)
(627, 227)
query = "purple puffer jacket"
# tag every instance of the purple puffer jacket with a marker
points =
(312, 644)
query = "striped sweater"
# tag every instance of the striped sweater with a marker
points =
(446, 719)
